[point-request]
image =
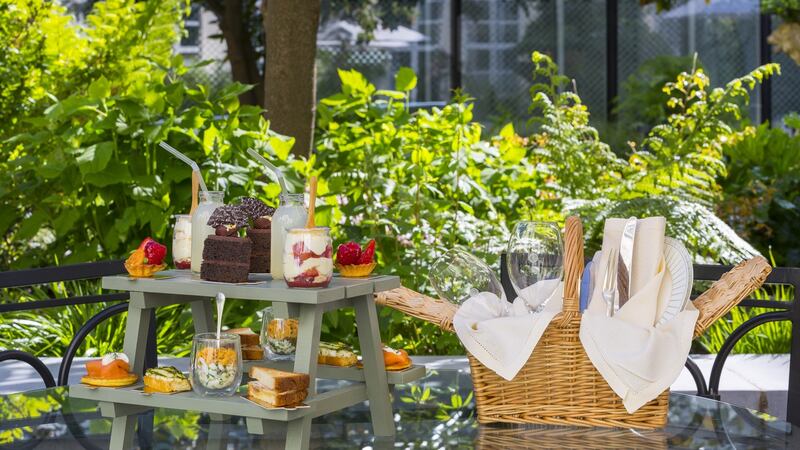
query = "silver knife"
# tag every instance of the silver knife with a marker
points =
(626, 258)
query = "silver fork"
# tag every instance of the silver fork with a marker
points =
(610, 281)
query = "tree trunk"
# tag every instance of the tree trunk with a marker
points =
(233, 22)
(290, 73)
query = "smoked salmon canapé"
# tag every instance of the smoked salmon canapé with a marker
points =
(113, 370)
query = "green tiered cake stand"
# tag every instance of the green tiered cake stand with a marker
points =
(371, 383)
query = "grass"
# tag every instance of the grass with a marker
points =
(48, 331)
(772, 337)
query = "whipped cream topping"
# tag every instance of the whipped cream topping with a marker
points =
(111, 357)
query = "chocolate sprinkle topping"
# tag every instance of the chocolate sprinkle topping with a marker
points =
(227, 215)
(255, 208)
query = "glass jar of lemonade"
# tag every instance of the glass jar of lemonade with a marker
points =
(209, 201)
(291, 213)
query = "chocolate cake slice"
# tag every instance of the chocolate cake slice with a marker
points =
(226, 256)
(260, 255)
(260, 233)
(226, 259)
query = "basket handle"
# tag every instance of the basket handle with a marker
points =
(729, 290)
(429, 309)
(573, 265)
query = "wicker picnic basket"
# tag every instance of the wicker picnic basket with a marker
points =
(559, 385)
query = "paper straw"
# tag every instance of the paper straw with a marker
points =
(270, 166)
(188, 161)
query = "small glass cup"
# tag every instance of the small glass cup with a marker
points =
(182, 241)
(308, 257)
(216, 364)
(278, 335)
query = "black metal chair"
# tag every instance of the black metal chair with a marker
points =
(784, 311)
(86, 271)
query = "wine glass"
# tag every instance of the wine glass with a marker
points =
(535, 262)
(458, 275)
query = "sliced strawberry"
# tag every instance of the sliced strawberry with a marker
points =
(310, 273)
(368, 255)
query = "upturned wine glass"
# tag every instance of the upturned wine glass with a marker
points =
(458, 275)
(535, 262)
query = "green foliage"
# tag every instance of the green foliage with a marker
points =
(672, 173)
(568, 158)
(683, 157)
(643, 102)
(663, 5)
(424, 181)
(788, 10)
(49, 331)
(87, 178)
(88, 182)
(769, 338)
(762, 190)
(416, 182)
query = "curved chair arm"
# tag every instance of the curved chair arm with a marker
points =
(730, 342)
(80, 336)
(697, 375)
(36, 363)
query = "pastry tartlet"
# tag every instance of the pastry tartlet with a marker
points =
(113, 370)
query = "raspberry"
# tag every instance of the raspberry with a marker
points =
(348, 253)
(368, 255)
(144, 242)
(154, 252)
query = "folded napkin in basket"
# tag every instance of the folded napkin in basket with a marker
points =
(637, 359)
(504, 344)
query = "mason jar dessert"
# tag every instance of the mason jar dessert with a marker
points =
(182, 241)
(278, 335)
(291, 213)
(308, 257)
(216, 364)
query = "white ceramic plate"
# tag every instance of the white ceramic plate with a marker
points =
(679, 265)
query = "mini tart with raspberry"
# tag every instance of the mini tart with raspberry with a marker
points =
(146, 260)
(353, 262)
(356, 270)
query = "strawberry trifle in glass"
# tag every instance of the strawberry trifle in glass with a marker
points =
(308, 257)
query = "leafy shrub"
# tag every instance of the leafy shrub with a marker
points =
(88, 180)
(762, 190)
(416, 182)
(421, 182)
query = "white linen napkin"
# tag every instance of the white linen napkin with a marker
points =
(636, 358)
(504, 344)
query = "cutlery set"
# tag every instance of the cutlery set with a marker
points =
(618, 272)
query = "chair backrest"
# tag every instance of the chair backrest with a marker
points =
(85, 271)
(783, 311)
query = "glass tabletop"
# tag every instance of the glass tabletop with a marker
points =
(437, 411)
